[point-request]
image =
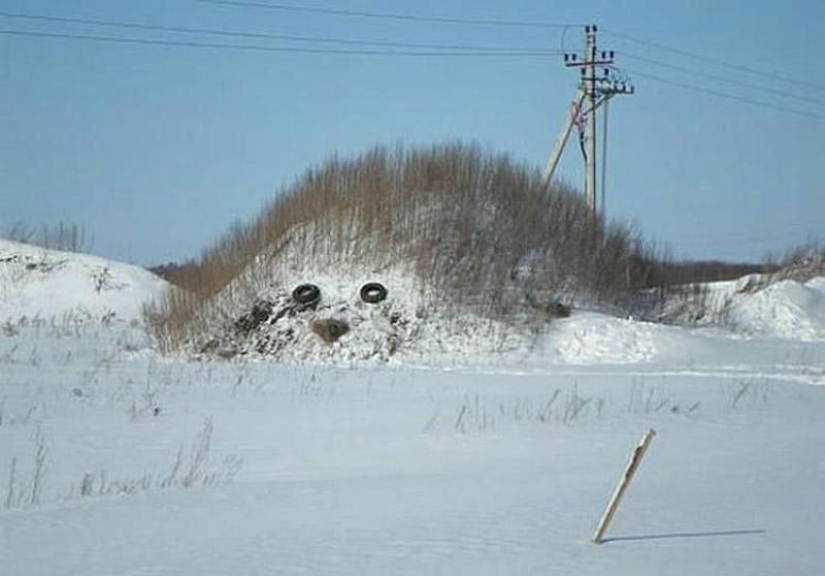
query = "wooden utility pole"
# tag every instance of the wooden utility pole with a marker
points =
(589, 72)
(599, 82)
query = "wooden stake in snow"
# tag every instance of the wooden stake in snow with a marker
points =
(632, 466)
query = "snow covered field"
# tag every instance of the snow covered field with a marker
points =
(115, 460)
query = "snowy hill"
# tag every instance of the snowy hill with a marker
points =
(413, 326)
(788, 309)
(40, 283)
(754, 307)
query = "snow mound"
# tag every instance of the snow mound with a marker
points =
(787, 309)
(40, 283)
(593, 338)
(754, 307)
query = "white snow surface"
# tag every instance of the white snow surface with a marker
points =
(754, 306)
(310, 469)
(492, 455)
(787, 309)
(36, 283)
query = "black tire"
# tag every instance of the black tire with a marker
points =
(306, 294)
(373, 293)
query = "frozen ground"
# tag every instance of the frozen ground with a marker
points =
(114, 460)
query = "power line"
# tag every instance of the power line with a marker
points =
(423, 50)
(719, 78)
(511, 23)
(259, 48)
(715, 61)
(521, 23)
(263, 35)
(725, 95)
(385, 15)
(358, 42)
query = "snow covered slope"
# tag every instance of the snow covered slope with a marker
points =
(40, 283)
(750, 306)
(170, 467)
(406, 329)
(787, 309)
(115, 460)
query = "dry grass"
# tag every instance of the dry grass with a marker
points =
(478, 228)
(802, 263)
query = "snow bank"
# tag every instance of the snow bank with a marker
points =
(787, 309)
(40, 283)
(589, 337)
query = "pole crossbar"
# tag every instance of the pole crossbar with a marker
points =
(594, 90)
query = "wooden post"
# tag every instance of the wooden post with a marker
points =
(632, 466)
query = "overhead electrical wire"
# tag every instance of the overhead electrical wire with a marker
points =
(715, 61)
(720, 94)
(520, 23)
(396, 48)
(386, 15)
(265, 35)
(719, 78)
(261, 48)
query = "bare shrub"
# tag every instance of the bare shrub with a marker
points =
(479, 229)
(802, 263)
(61, 236)
(199, 455)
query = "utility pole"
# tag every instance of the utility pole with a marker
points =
(589, 75)
(594, 90)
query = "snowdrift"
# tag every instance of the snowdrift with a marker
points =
(787, 309)
(754, 307)
(40, 283)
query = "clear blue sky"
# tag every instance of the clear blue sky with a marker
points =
(156, 149)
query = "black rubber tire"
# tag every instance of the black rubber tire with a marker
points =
(373, 292)
(306, 294)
